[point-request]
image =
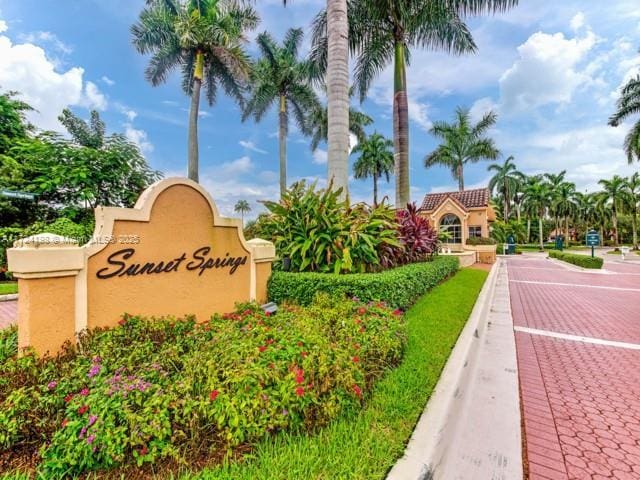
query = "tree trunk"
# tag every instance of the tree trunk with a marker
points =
(528, 229)
(375, 189)
(506, 204)
(282, 137)
(634, 226)
(568, 237)
(540, 233)
(460, 177)
(193, 118)
(614, 219)
(401, 127)
(338, 95)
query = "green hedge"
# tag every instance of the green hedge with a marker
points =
(399, 287)
(584, 261)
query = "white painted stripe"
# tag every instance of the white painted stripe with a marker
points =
(577, 285)
(578, 338)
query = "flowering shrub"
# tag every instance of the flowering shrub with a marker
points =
(166, 389)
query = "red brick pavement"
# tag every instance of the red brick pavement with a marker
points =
(580, 401)
(8, 313)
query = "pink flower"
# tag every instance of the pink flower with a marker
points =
(300, 391)
(90, 439)
(84, 392)
(92, 419)
(52, 385)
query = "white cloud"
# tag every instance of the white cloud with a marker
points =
(320, 156)
(27, 69)
(139, 137)
(546, 71)
(249, 145)
(482, 106)
(3, 26)
(418, 112)
(240, 165)
(577, 22)
(46, 38)
(108, 81)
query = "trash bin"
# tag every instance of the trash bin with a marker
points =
(559, 242)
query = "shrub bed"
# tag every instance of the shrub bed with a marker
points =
(399, 287)
(583, 261)
(481, 241)
(175, 391)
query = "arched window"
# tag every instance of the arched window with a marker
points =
(451, 224)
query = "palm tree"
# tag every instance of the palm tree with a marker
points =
(319, 123)
(507, 181)
(204, 38)
(538, 195)
(242, 207)
(614, 195)
(629, 104)
(529, 209)
(555, 180)
(462, 143)
(632, 187)
(375, 160)
(280, 77)
(564, 203)
(383, 31)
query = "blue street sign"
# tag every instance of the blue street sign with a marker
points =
(593, 239)
(20, 195)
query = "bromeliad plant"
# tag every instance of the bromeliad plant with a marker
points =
(318, 232)
(174, 390)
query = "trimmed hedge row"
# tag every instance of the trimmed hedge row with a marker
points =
(399, 287)
(583, 261)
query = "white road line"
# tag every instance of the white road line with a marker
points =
(577, 338)
(621, 289)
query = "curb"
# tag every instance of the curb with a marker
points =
(9, 297)
(576, 268)
(427, 447)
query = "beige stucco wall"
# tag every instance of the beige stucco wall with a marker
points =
(263, 272)
(474, 217)
(46, 309)
(181, 222)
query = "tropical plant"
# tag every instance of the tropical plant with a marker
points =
(375, 160)
(538, 197)
(500, 231)
(280, 77)
(506, 180)
(462, 142)
(13, 122)
(629, 104)
(614, 195)
(382, 32)
(242, 207)
(564, 204)
(318, 232)
(632, 187)
(418, 239)
(555, 180)
(204, 38)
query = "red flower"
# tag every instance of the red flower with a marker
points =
(355, 359)
(299, 378)
(83, 409)
(357, 391)
(361, 330)
(304, 354)
(143, 450)
(362, 311)
(357, 321)
(300, 391)
(64, 422)
(397, 311)
(122, 321)
(270, 341)
(213, 395)
(268, 314)
(68, 398)
(262, 348)
(300, 344)
(247, 312)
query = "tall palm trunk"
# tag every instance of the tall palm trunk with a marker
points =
(338, 95)
(282, 137)
(566, 222)
(529, 229)
(506, 204)
(634, 228)
(614, 220)
(375, 188)
(193, 117)
(401, 126)
(460, 169)
(540, 233)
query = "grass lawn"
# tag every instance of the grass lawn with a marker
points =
(8, 287)
(366, 445)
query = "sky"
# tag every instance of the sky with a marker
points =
(550, 70)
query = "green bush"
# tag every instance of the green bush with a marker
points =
(481, 241)
(175, 390)
(584, 261)
(399, 287)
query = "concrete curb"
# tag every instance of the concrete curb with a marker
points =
(432, 437)
(9, 297)
(576, 268)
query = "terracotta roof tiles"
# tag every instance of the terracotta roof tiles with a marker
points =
(476, 198)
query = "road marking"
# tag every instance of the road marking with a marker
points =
(578, 338)
(559, 284)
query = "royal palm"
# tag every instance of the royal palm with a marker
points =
(383, 32)
(205, 40)
(506, 180)
(462, 142)
(280, 78)
(375, 160)
(242, 207)
(629, 104)
(538, 196)
(614, 196)
(632, 187)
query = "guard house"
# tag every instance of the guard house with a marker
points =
(463, 214)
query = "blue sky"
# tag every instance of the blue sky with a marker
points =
(550, 70)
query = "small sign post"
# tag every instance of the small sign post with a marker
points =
(593, 240)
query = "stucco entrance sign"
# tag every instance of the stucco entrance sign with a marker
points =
(172, 254)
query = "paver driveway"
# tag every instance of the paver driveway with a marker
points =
(578, 345)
